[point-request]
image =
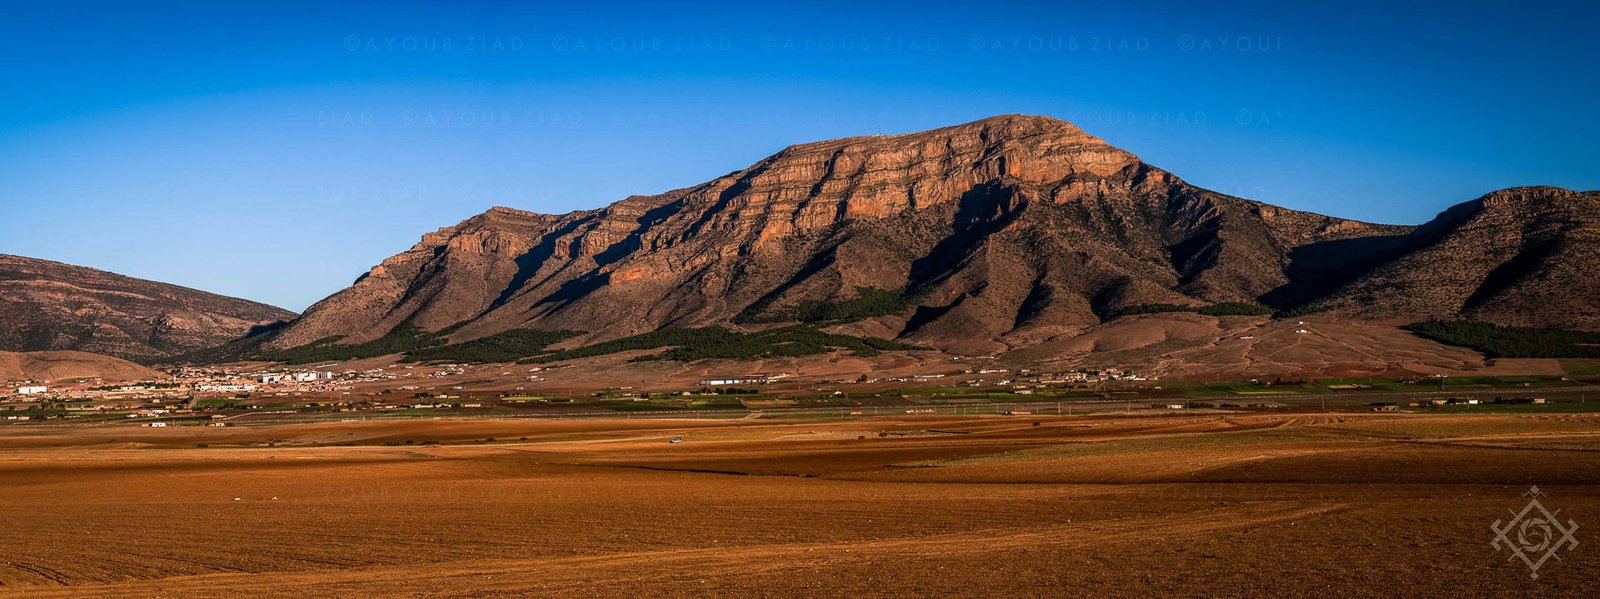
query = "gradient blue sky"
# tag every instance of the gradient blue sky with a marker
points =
(275, 152)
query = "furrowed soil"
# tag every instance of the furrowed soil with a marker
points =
(1216, 505)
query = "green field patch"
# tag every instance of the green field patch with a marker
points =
(960, 399)
(628, 405)
(711, 404)
(1078, 394)
(1253, 388)
(769, 403)
(1582, 367)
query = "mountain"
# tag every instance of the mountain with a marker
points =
(1008, 226)
(1526, 256)
(52, 366)
(52, 306)
(991, 234)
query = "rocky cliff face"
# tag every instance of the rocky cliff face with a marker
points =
(52, 306)
(1006, 224)
(452, 274)
(1008, 227)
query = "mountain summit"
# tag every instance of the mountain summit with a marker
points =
(1009, 227)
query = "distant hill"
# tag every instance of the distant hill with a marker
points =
(48, 305)
(67, 365)
(1526, 256)
(986, 235)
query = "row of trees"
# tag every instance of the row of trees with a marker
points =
(508, 346)
(531, 346)
(868, 302)
(689, 344)
(1222, 309)
(404, 338)
(1511, 342)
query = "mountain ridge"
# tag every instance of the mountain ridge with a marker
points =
(49, 306)
(1007, 226)
(1522, 256)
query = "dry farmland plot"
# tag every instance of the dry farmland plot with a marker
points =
(1211, 505)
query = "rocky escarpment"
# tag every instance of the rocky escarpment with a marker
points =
(450, 275)
(52, 306)
(1000, 227)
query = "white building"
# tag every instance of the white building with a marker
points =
(32, 390)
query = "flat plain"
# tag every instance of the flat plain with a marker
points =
(1303, 504)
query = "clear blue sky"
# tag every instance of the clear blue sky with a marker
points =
(275, 151)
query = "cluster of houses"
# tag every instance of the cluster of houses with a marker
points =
(754, 379)
(180, 387)
(294, 377)
(919, 378)
(1103, 375)
(1022, 380)
(1467, 401)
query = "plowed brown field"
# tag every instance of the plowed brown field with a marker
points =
(1302, 505)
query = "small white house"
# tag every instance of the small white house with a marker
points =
(32, 390)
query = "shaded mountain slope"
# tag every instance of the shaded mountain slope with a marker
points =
(1526, 256)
